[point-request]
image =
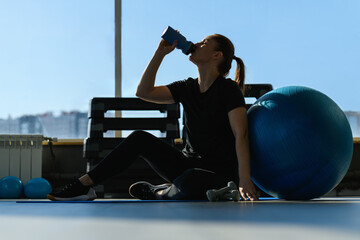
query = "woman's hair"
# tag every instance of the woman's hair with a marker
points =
(225, 46)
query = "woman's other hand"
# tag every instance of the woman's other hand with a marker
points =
(247, 190)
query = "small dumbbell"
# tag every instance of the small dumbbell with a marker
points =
(230, 192)
(233, 195)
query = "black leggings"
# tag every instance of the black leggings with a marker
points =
(189, 178)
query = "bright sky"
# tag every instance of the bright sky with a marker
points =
(56, 55)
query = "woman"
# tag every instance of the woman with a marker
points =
(215, 132)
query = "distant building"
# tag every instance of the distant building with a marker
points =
(73, 125)
(30, 124)
(67, 125)
(354, 120)
(9, 125)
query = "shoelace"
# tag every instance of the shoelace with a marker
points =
(68, 186)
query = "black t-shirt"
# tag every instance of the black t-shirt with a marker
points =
(207, 129)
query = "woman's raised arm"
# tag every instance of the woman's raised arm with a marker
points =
(146, 89)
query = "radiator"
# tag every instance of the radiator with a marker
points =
(21, 156)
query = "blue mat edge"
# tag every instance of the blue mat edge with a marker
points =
(122, 201)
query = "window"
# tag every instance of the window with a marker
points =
(307, 43)
(55, 56)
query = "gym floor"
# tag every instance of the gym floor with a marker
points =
(324, 218)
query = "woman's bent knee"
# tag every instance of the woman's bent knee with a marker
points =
(140, 134)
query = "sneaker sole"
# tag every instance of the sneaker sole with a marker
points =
(90, 196)
(77, 198)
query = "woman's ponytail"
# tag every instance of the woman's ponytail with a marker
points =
(240, 73)
(227, 48)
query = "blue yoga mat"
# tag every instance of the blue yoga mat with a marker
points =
(110, 201)
(122, 201)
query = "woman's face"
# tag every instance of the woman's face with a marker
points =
(204, 51)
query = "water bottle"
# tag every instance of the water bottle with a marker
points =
(170, 35)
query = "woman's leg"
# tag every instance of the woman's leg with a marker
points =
(187, 181)
(166, 160)
(193, 184)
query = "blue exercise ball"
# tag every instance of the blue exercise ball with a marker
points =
(37, 188)
(301, 143)
(11, 187)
